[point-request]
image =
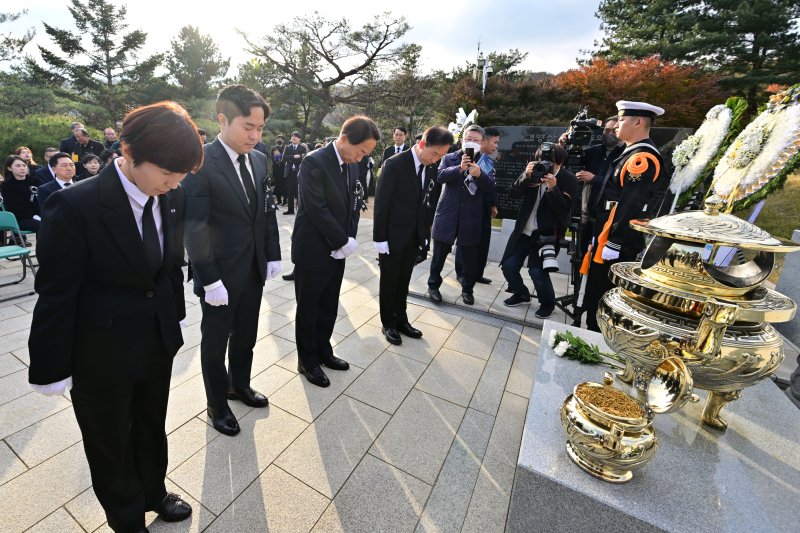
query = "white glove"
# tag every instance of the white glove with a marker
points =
(610, 254)
(37, 218)
(183, 323)
(382, 247)
(273, 269)
(337, 254)
(349, 248)
(54, 389)
(218, 296)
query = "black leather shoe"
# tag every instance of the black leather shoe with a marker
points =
(289, 276)
(435, 295)
(485, 281)
(173, 509)
(248, 396)
(224, 422)
(468, 298)
(315, 376)
(334, 363)
(288, 212)
(409, 331)
(392, 336)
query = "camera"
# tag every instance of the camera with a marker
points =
(547, 252)
(540, 170)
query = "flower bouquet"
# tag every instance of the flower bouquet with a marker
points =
(569, 345)
(462, 121)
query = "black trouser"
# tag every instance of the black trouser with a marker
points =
(232, 328)
(483, 250)
(587, 231)
(122, 425)
(317, 294)
(291, 190)
(469, 256)
(29, 224)
(396, 268)
(598, 284)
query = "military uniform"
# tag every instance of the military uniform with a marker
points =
(631, 180)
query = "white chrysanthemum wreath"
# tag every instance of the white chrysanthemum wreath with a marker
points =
(694, 153)
(760, 152)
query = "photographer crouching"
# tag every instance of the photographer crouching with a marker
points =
(547, 190)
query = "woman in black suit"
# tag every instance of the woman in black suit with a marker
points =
(19, 193)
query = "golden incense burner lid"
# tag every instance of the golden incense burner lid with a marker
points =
(713, 227)
(671, 386)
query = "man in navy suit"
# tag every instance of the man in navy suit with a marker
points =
(47, 173)
(401, 224)
(107, 321)
(232, 242)
(323, 237)
(64, 168)
(458, 214)
(399, 137)
(293, 155)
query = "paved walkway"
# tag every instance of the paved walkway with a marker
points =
(423, 436)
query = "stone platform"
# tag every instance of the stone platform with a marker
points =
(744, 479)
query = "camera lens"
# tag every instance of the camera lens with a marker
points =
(548, 255)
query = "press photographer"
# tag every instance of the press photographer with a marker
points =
(590, 162)
(547, 190)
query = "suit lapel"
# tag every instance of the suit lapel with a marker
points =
(336, 173)
(225, 166)
(118, 217)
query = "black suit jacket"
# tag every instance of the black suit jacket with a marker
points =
(68, 145)
(399, 213)
(44, 175)
(44, 192)
(389, 152)
(98, 310)
(292, 165)
(222, 236)
(328, 210)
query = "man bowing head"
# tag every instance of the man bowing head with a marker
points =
(331, 198)
(232, 241)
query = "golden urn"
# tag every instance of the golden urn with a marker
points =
(698, 295)
(609, 433)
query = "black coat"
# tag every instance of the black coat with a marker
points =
(389, 152)
(222, 236)
(19, 197)
(398, 212)
(97, 305)
(44, 175)
(67, 145)
(553, 214)
(292, 165)
(598, 162)
(328, 210)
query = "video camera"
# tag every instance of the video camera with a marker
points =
(580, 134)
(544, 166)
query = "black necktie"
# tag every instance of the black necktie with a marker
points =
(396, 149)
(152, 248)
(344, 173)
(247, 180)
(67, 183)
(419, 176)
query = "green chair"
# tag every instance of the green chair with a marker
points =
(15, 251)
(22, 231)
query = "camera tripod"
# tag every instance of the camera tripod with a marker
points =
(570, 299)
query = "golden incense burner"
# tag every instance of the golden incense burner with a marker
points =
(609, 433)
(698, 295)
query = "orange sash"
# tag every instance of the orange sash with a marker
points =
(602, 239)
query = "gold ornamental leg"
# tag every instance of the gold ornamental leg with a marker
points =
(627, 374)
(714, 404)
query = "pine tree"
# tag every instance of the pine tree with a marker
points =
(99, 61)
(195, 63)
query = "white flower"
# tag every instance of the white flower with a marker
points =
(694, 153)
(561, 348)
(461, 116)
(759, 153)
(552, 340)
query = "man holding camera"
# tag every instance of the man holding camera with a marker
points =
(459, 212)
(622, 198)
(547, 190)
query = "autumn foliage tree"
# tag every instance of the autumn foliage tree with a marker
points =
(685, 92)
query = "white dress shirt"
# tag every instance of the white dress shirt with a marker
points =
(137, 199)
(235, 160)
(417, 164)
(64, 184)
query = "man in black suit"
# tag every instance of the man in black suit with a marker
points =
(68, 145)
(401, 224)
(46, 172)
(293, 155)
(324, 235)
(107, 322)
(64, 168)
(399, 137)
(232, 241)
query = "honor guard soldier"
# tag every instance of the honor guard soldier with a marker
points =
(625, 192)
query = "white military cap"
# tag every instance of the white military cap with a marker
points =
(638, 109)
